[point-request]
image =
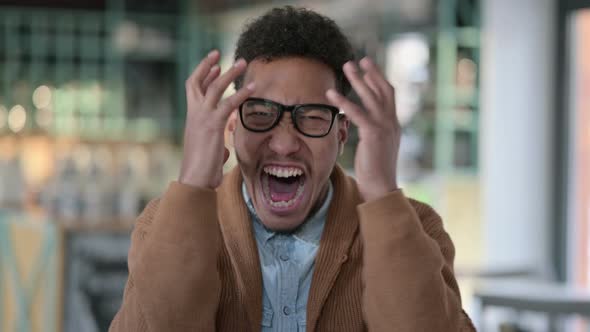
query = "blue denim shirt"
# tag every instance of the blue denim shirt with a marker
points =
(287, 262)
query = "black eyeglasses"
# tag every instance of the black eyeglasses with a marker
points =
(312, 120)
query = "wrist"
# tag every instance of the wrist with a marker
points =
(373, 194)
(191, 178)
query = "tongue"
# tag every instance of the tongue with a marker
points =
(282, 190)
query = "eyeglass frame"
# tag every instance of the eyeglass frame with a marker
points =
(291, 109)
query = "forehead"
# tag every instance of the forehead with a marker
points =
(291, 80)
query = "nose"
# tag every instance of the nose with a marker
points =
(284, 138)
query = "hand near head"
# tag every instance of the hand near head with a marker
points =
(207, 115)
(379, 130)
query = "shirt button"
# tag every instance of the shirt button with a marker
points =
(284, 257)
(286, 310)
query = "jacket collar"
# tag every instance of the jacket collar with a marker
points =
(339, 232)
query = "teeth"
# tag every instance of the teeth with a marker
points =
(283, 172)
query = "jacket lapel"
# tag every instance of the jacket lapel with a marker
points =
(339, 232)
(236, 228)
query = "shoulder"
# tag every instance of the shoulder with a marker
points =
(141, 230)
(148, 213)
(427, 215)
(144, 222)
(433, 226)
(425, 212)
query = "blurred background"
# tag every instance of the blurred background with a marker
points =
(493, 96)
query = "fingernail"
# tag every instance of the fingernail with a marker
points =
(212, 53)
(350, 66)
(331, 93)
(367, 61)
(214, 68)
(251, 86)
(239, 62)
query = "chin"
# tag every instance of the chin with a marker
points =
(282, 224)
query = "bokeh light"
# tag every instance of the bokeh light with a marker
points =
(17, 118)
(42, 96)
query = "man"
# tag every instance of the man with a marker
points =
(286, 241)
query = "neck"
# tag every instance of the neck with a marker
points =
(320, 201)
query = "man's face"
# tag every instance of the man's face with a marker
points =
(271, 161)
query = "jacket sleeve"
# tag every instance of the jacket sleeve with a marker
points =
(408, 268)
(173, 282)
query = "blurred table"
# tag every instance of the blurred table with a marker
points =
(553, 299)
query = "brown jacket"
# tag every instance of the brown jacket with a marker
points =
(385, 265)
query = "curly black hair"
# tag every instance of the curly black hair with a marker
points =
(295, 32)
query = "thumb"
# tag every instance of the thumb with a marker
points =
(225, 154)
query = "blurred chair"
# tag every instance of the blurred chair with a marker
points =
(96, 272)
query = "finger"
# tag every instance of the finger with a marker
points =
(234, 101)
(198, 75)
(364, 92)
(218, 86)
(351, 110)
(372, 84)
(379, 80)
(213, 74)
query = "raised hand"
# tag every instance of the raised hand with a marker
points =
(379, 130)
(204, 148)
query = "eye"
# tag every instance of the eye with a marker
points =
(313, 117)
(258, 110)
(315, 114)
(258, 114)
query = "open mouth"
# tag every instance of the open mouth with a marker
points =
(283, 187)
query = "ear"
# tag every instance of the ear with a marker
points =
(230, 128)
(343, 125)
(232, 121)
